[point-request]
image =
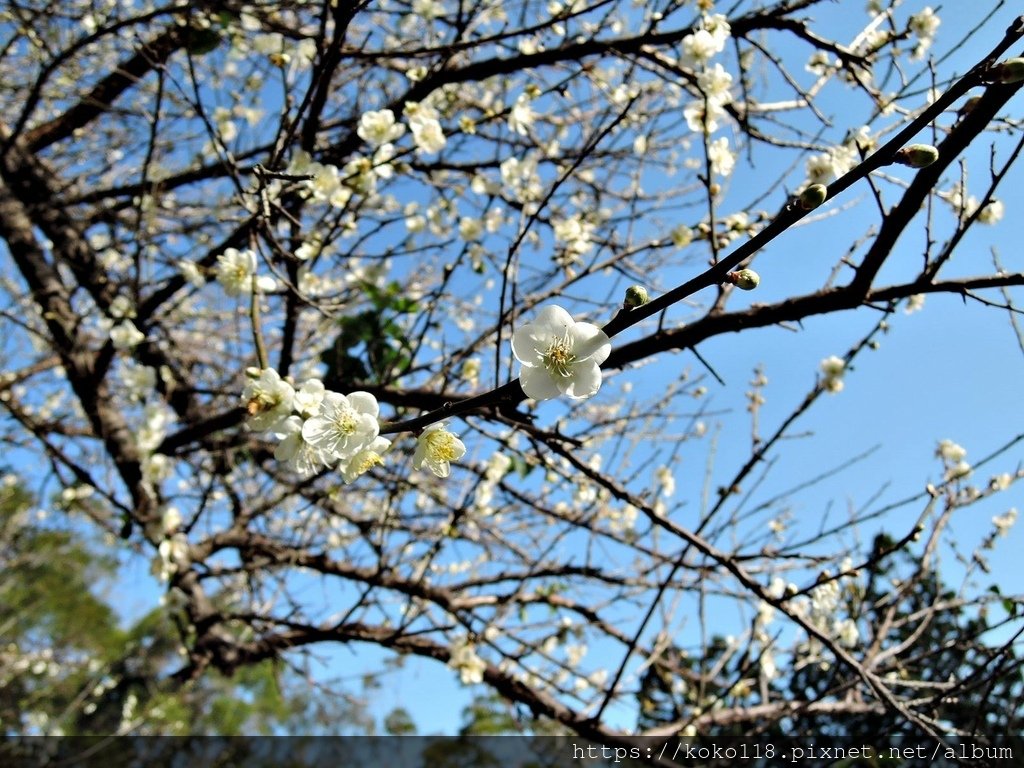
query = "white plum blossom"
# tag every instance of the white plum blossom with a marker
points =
(309, 397)
(426, 130)
(681, 236)
(707, 40)
(950, 452)
(172, 556)
(1005, 521)
(521, 116)
(575, 232)
(833, 369)
(327, 185)
(268, 400)
(700, 47)
(377, 128)
(714, 83)
(436, 448)
(914, 303)
(125, 335)
(823, 168)
(992, 213)
(703, 115)
(924, 25)
(560, 356)
(463, 658)
(721, 157)
(298, 455)
(170, 520)
(235, 269)
(470, 228)
(427, 9)
(958, 471)
(344, 424)
(365, 459)
(190, 271)
(847, 633)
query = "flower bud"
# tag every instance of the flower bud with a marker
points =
(813, 196)
(636, 296)
(1010, 71)
(744, 279)
(917, 155)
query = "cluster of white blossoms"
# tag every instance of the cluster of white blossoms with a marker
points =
(464, 659)
(833, 368)
(318, 428)
(1004, 522)
(823, 609)
(713, 82)
(965, 205)
(924, 26)
(560, 356)
(953, 459)
(426, 129)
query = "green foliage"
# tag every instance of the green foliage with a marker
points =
(372, 347)
(68, 666)
(954, 645)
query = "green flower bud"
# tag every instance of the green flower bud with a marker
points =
(917, 155)
(1010, 71)
(813, 196)
(636, 296)
(745, 279)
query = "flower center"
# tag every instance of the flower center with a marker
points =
(346, 423)
(441, 446)
(367, 460)
(261, 403)
(559, 357)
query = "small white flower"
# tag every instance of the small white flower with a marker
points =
(426, 130)
(958, 471)
(924, 25)
(1005, 521)
(914, 303)
(268, 400)
(309, 397)
(343, 425)
(833, 366)
(703, 115)
(364, 460)
(437, 448)
(950, 451)
(992, 213)
(125, 335)
(463, 658)
(297, 454)
(714, 83)
(847, 633)
(681, 236)
(190, 271)
(470, 228)
(235, 269)
(721, 157)
(699, 47)
(378, 128)
(560, 356)
(521, 116)
(172, 556)
(170, 521)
